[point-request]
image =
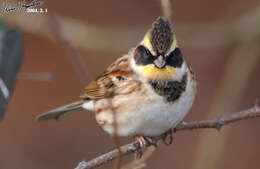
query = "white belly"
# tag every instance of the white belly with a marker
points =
(145, 114)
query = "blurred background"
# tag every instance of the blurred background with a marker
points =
(219, 39)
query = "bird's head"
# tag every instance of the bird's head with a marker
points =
(158, 57)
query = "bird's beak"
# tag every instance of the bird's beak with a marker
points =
(160, 62)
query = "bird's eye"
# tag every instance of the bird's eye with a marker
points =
(175, 58)
(143, 56)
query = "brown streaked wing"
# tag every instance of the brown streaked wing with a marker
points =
(104, 84)
(99, 89)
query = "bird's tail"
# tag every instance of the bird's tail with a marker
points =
(60, 112)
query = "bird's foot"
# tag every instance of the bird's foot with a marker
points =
(143, 141)
(167, 137)
(151, 141)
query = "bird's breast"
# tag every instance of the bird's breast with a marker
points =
(145, 111)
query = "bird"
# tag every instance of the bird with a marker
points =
(144, 93)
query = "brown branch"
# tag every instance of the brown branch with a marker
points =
(216, 123)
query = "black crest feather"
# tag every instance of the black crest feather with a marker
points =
(161, 36)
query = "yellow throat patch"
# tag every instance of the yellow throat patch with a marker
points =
(152, 72)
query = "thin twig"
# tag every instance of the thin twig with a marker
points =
(140, 163)
(35, 76)
(115, 136)
(75, 57)
(215, 123)
(166, 8)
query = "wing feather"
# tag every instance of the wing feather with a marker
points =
(106, 84)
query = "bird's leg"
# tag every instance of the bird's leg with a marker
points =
(167, 137)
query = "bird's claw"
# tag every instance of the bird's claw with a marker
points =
(141, 143)
(152, 141)
(167, 137)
